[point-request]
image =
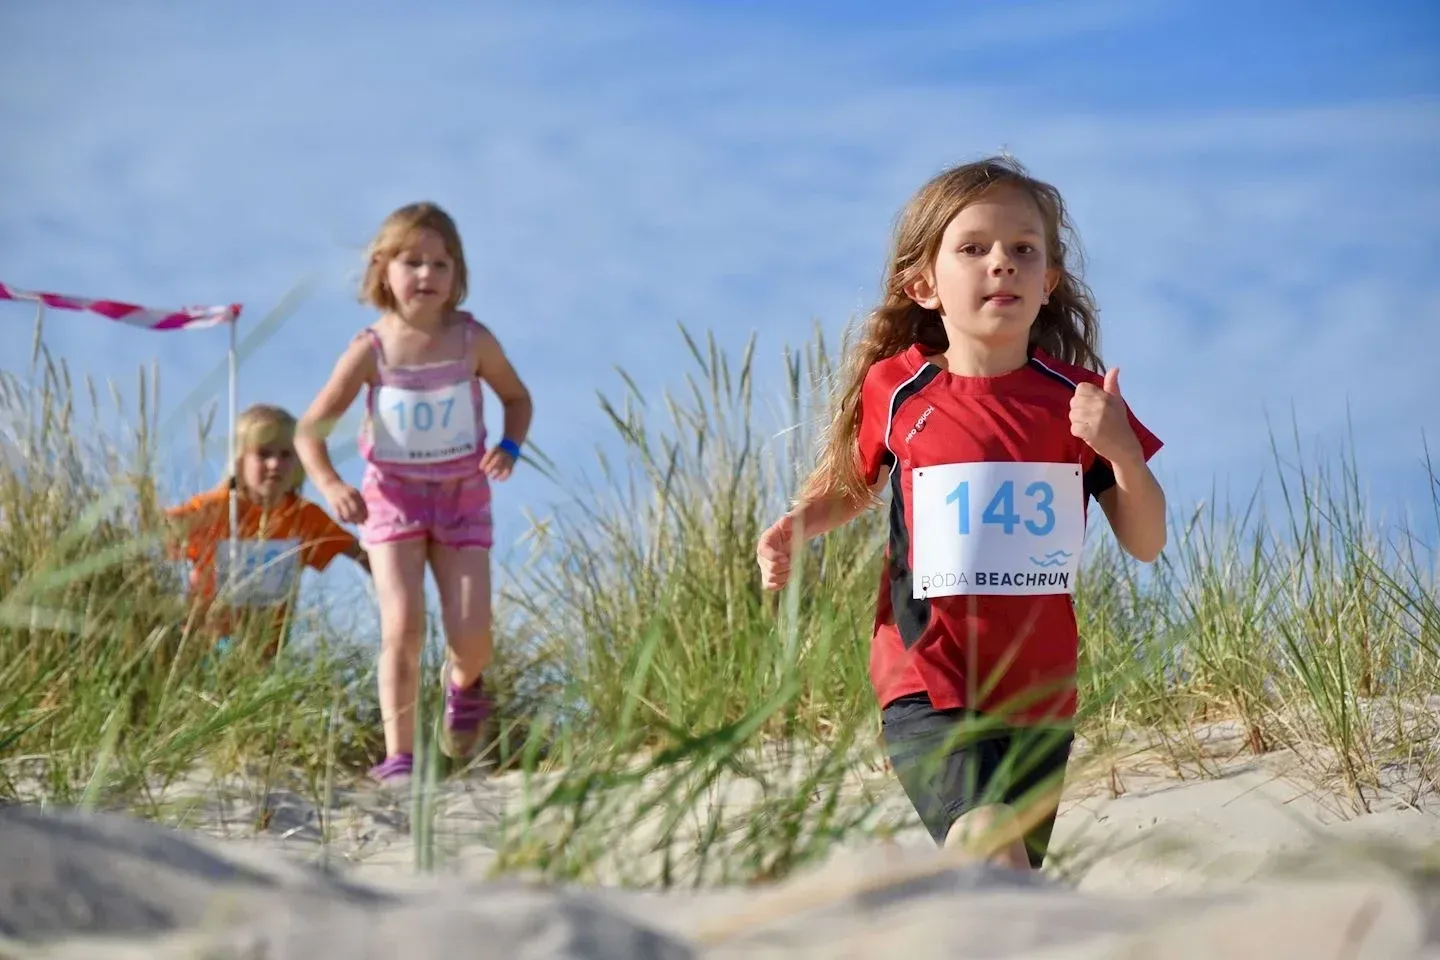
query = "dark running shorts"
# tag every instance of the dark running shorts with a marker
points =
(951, 761)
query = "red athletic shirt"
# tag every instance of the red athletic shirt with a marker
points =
(1014, 656)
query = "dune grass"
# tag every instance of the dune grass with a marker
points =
(108, 693)
(640, 666)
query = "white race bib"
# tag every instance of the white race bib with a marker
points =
(424, 426)
(997, 528)
(265, 571)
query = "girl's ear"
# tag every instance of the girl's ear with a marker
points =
(921, 289)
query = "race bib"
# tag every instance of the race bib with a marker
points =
(424, 426)
(265, 571)
(997, 528)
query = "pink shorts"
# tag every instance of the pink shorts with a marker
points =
(454, 513)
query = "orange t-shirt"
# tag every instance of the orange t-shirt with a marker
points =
(303, 534)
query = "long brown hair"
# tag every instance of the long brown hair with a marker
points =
(1066, 327)
(398, 230)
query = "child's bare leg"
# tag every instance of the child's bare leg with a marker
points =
(997, 831)
(462, 576)
(399, 572)
(991, 832)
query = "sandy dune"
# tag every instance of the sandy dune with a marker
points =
(1258, 858)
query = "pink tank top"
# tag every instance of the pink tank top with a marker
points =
(424, 422)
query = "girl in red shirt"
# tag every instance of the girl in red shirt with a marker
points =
(974, 395)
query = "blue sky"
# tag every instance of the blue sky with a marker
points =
(1257, 188)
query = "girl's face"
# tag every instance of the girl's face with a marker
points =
(421, 275)
(990, 275)
(267, 471)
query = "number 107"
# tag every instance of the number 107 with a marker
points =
(1000, 511)
(424, 414)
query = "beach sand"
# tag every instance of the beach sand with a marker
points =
(1227, 854)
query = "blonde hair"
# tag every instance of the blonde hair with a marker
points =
(1066, 327)
(396, 233)
(260, 425)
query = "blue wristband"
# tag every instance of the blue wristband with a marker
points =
(510, 447)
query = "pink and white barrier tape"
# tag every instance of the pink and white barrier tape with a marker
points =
(186, 318)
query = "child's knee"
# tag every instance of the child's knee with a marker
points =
(401, 626)
(991, 825)
(987, 815)
(403, 642)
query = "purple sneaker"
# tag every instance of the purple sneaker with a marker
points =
(393, 770)
(465, 714)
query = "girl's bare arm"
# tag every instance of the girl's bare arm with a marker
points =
(354, 368)
(1135, 507)
(495, 369)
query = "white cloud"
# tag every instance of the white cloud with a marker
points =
(617, 171)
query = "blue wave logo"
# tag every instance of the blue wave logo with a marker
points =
(1057, 558)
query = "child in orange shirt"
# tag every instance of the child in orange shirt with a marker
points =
(278, 532)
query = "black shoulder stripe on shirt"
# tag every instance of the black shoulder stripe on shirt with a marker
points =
(1053, 374)
(918, 381)
(911, 615)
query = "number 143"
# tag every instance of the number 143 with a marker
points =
(1001, 511)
